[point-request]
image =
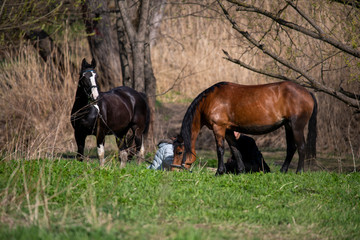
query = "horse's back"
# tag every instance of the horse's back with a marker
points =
(131, 104)
(251, 106)
(128, 95)
(281, 97)
(138, 99)
(297, 99)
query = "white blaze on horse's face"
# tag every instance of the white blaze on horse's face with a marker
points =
(94, 89)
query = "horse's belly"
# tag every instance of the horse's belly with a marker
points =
(258, 129)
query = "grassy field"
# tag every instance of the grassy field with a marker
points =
(66, 199)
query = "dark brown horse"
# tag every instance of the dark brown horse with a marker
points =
(105, 113)
(226, 107)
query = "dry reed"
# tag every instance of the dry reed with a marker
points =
(35, 106)
(187, 58)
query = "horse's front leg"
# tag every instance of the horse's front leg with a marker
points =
(140, 150)
(123, 155)
(230, 138)
(219, 133)
(80, 142)
(139, 145)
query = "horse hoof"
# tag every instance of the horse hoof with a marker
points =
(218, 173)
(122, 164)
(240, 171)
(102, 163)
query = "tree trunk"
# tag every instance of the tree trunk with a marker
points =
(102, 41)
(139, 25)
(125, 52)
(157, 10)
(138, 51)
(150, 88)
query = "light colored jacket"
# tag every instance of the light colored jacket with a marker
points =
(164, 157)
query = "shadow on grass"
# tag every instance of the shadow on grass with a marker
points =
(275, 158)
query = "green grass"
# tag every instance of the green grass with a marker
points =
(66, 199)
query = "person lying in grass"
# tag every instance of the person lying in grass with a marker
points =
(164, 156)
(251, 156)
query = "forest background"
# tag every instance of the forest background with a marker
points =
(183, 43)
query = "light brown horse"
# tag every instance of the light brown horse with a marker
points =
(226, 107)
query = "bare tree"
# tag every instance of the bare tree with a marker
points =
(137, 22)
(102, 41)
(305, 38)
(136, 33)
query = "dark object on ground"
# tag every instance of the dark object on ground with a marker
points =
(251, 156)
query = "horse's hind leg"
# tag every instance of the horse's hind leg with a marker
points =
(295, 140)
(290, 148)
(140, 151)
(123, 155)
(300, 143)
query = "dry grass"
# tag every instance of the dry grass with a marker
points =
(36, 107)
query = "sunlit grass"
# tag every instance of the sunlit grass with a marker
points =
(65, 198)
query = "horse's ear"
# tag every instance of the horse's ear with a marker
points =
(93, 63)
(179, 139)
(83, 64)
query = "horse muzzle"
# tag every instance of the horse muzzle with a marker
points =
(175, 167)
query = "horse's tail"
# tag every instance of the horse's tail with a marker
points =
(312, 132)
(148, 113)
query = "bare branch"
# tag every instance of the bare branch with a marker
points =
(349, 94)
(2, 7)
(316, 35)
(313, 83)
(264, 49)
(263, 72)
(353, 3)
(126, 20)
(306, 17)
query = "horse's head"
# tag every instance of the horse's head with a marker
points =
(88, 79)
(182, 159)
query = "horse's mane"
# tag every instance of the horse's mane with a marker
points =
(190, 113)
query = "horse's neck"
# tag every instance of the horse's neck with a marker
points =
(81, 100)
(195, 125)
